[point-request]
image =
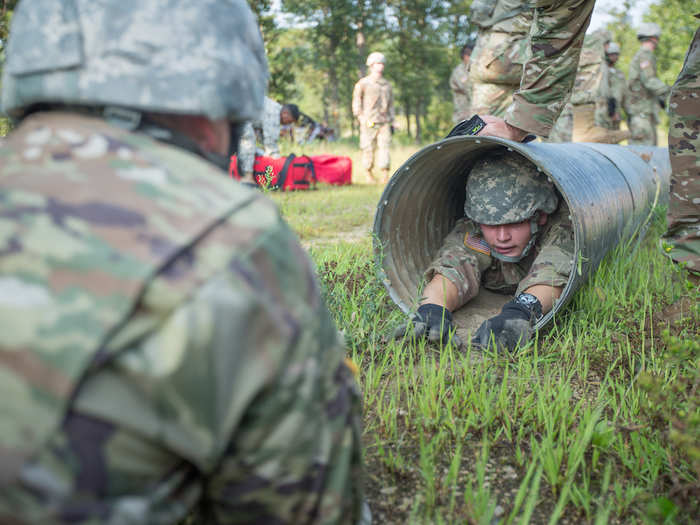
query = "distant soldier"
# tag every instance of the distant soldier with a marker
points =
(266, 128)
(591, 88)
(373, 106)
(461, 87)
(646, 91)
(612, 96)
(516, 238)
(500, 52)
(165, 353)
(683, 236)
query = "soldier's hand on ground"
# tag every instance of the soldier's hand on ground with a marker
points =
(431, 321)
(510, 328)
(497, 127)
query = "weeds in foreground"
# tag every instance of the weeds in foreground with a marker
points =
(596, 422)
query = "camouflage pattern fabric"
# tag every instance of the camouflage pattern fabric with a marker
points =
(549, 263)
(555, 42)
(589, 83)
(268, 124)
(164, 349)
(461, 92)
(507, 188)
(645, 89)
(564, 126)
(373, 106)
(683, 218)
(108, 53)
(585, 128)
(498, 57)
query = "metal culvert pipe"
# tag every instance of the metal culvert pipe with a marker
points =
(610, 191)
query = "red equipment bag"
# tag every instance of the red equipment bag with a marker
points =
(288, 173)
(333, 169)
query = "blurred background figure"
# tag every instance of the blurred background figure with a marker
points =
(373, 107)
(646, 91)
(461, 87)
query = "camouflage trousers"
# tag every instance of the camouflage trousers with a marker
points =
(683, 235)
(374, 143)
(586, 130)
(563, 126)
(643, 129)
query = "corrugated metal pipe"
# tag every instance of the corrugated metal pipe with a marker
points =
(610, 191)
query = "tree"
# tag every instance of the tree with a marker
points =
(678, 25)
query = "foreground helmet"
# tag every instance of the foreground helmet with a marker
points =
(649, 29)
(507, 188)
(613, 48)
(375, 57)
(207, 60)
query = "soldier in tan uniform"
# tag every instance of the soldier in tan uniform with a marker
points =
(373, 106)
(461, 86)
(516, 238)
(646, 91)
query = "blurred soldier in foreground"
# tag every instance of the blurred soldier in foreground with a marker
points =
(516, 238)
(563, 128)
(373, 107)
(646, 91)
(461, 87)
(613, 97)
(592, 90)
(683, 236)
(164, 349)
(554, 44)
(500, 52)
(267, 127)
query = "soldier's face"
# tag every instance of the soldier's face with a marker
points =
(510, 239)
(377, 68)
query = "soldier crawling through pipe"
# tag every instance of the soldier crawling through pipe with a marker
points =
(516, 237)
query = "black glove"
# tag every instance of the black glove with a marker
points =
(431, 321)
(662, 103)
(612, 106)
(513, 326)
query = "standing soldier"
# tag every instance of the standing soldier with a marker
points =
(373, 106)
(646, 90)
(165, 353)
(461, 87)
(613, 96)
(683, 236)
(500, 52)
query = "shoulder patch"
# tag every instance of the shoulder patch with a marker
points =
(476, 243)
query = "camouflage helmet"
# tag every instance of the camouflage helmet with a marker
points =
(375, 57)
(649, 29)
(507, 188)
(208, 59)
(613, 48)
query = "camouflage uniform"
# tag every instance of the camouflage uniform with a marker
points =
(268, 125)
(164, 349)
(615, 88)
(645, 89)
(555, 41)
(684, 147)
(564, 125)
(373, 106)
(461, 92)
(500, 52)
(465, 260)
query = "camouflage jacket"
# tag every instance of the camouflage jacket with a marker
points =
(555, 42)
(465, 260)
(590, 75)
(461, 92)
(268, 126)
(615, 87)
(373, 101)
(645, 87)
(164, 349)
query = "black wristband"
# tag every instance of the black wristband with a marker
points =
(531, 303)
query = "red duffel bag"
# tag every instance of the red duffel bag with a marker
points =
(288, 173)
(333, 169)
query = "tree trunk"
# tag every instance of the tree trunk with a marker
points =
(407, 113)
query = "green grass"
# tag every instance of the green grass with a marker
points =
(596, 422)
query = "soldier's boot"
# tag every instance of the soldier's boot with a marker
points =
(385, 175)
